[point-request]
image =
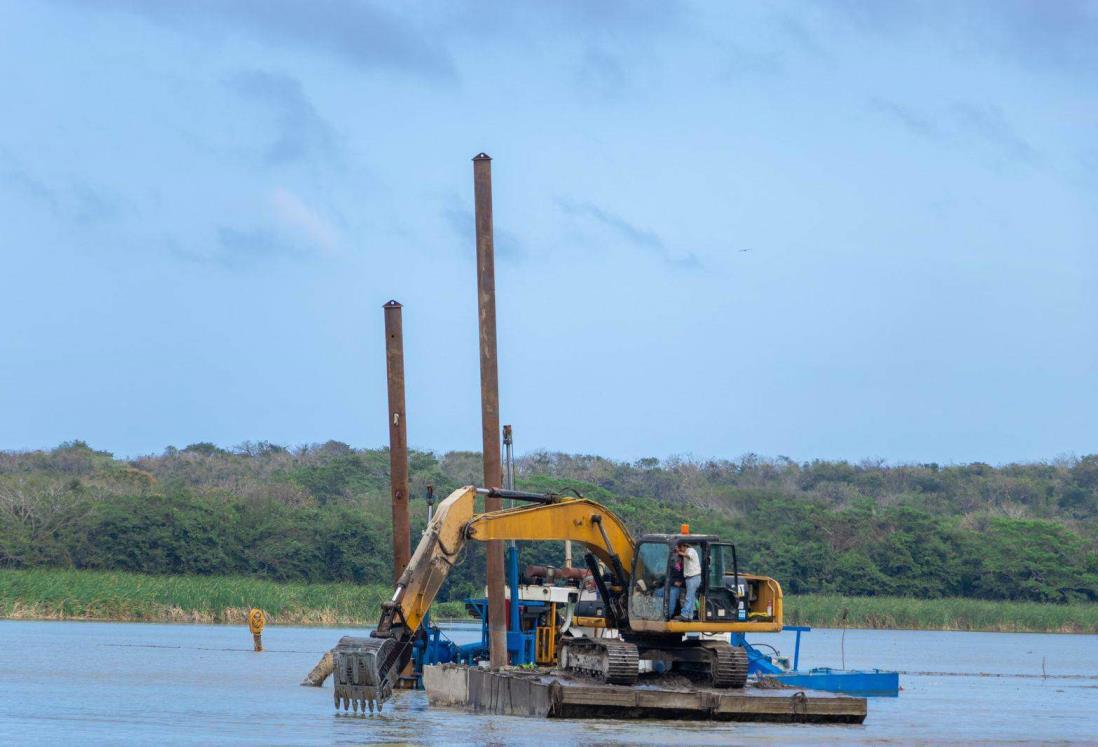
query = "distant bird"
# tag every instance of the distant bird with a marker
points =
(744, 250)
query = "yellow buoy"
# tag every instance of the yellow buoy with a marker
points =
(256, 620)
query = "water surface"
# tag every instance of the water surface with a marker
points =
(113, 683)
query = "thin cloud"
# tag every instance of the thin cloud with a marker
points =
(77, 202)
(641, 237)
(616, 45)
(1060, 36)
(801, 37)
(20, 181)
(908, 118)
(420, 39)
(285, 228)
(1085, 171)
(959, 124)
(238, 248)
(92, 204)
(364, 34)
(741, 60)
(687, 261)
(601, 75)
(303, 221)
(300, 130)
(626, 21)
(990, 124)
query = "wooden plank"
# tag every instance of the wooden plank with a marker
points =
(785, 704)
(740, 704)
(621, 697)
(670, 700)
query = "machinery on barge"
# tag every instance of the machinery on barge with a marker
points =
(632, 577)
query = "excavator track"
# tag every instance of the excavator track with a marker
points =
(609, 659)
(728, 666)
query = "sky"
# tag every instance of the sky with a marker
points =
(835, 230)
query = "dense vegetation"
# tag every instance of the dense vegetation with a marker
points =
(53, 594)
(1024, 532)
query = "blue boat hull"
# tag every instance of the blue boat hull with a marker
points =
(850, 682)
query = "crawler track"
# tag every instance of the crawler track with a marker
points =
(729, 666)
(611, 660)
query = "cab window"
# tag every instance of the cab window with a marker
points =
(721, 601)
(720, 564)
(646, 598)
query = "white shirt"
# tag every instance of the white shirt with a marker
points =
(691, 566)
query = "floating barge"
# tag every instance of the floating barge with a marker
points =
(554, 694)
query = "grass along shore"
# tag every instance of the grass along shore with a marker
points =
(131, 597)
(904, 613)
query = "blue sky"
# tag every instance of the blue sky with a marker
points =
(822, 230)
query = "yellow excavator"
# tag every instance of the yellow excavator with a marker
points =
(633, 577)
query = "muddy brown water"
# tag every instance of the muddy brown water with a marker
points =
(117, 683)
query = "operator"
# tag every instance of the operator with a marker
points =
(692, 570)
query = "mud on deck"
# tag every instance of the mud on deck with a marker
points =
(554, 694)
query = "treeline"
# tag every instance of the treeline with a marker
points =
(321, 513)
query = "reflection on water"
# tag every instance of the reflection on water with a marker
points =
(107, 683)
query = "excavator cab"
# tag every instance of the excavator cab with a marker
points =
(653, 594)
(728, 600)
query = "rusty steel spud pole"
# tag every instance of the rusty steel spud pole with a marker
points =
(489, 400)
(398, 437)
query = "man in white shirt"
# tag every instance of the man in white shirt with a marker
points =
(692, 570)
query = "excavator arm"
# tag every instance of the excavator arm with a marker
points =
(366, 669)
(576, 519)
(438, 551)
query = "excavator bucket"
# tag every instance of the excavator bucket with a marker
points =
(364, 672)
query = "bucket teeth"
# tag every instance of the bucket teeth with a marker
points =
(357, 705)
